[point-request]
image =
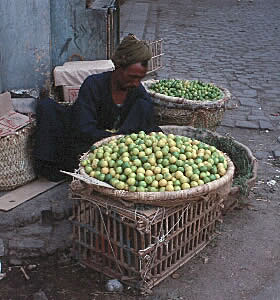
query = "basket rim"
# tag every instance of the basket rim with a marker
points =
(186, 102)
(176, 197)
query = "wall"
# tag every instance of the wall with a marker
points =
(37, 35)
(77, 30)
(24, 43)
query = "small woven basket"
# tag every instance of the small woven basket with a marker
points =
(183, 112)
(219, 188)
(16, 158)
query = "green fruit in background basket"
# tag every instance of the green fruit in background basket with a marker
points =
(190, 90)
(164, 163)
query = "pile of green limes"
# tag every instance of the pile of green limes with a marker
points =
(190, 90)
(154, 162)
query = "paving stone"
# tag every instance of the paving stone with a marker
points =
(228, 123)
(239, 117)
(276, 153)
(257, 118)
(238, 85)
(278, 139)
(255, 87)
(35, 229)
(250, 93)
(266, 125)
(2, 248)
(247, 124)
(272, 98)
(274, 104)
(244, 109)
(257, 112)
(26, 243)
(273, 90)
(249, 102)
(238, 94)
(136, 24)
(261, 154)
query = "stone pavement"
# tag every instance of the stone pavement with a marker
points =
(235, 45)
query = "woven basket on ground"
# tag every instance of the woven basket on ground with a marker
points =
(219, 189)
(16, 159)
(180, 111)
(245, 163)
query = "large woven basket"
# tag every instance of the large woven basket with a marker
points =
(16, 159)
(180, 111)
(218, 189)
(246, 165)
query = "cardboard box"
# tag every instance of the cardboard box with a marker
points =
(72, 74)
(70, 93)
(10, 121)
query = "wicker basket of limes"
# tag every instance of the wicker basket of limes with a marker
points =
(188, 102)
(157, 169)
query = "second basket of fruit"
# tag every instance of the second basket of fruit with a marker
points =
(188, 102)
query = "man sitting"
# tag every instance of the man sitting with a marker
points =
(109, 103)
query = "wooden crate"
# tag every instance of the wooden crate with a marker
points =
(155, 62)
(140, 247)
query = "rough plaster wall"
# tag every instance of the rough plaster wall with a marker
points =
(77, 32)
(37, 35)
(24, 46)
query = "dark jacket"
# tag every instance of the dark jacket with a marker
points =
(65, 132)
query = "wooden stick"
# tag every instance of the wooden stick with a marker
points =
(24, 273)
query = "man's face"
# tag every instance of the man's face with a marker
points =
(130, 76)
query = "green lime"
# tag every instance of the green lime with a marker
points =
(101, 177)
(212, 177)
(123, 177)
(84, 162)
(108, 177)
(88, 169)
(148, 179)
(173, 168)
(140, 176)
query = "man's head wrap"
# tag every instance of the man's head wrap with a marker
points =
(131, 51)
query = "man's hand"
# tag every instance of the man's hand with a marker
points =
(111, 130)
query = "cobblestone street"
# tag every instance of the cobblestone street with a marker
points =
(236, 45)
